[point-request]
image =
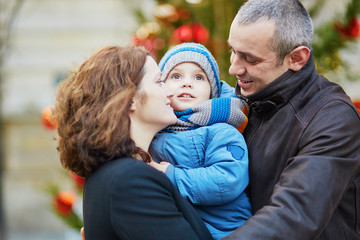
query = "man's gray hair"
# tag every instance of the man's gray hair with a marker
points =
(293, 24)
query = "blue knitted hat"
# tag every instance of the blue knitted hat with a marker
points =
(195, 53)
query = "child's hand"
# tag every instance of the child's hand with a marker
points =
(82, 233)
(162, 166)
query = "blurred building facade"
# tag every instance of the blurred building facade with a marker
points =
(47, 39)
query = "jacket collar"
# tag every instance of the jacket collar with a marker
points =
(279, 91)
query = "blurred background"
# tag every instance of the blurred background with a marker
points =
(41, 41)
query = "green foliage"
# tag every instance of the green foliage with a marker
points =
(334, 36)
(216, 16)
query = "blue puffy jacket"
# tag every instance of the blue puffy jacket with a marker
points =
(210, 169)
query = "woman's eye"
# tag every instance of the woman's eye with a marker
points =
(176, 76)
(160, 82)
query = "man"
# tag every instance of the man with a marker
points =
(303, 133)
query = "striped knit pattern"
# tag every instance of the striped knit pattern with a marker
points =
(218, 110)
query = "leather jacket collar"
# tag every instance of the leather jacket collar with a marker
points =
(279, 91)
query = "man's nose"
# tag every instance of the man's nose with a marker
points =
(237, 67)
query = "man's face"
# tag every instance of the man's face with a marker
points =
(253, 63)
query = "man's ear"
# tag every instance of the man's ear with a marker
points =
(298, 58)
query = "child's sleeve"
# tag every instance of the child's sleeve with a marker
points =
(224, 174)
(227, 90)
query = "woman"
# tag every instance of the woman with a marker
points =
(108, 112)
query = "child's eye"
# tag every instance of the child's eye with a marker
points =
(199, 77)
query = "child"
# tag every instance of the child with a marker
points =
(206, 155)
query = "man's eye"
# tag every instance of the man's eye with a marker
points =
(247, 58)
(250, 60)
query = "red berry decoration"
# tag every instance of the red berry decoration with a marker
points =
(47, 119)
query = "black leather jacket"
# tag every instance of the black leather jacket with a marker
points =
(303, 137)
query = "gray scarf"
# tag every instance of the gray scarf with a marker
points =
(227, 110)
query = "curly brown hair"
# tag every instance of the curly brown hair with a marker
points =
(92, 109)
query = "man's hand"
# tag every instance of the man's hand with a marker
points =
(162, 166)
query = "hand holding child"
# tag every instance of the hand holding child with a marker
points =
(162, 166)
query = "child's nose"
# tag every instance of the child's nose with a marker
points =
(187, 82)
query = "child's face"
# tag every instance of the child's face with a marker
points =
(189, 84)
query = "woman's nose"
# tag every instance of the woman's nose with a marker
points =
(169, 92)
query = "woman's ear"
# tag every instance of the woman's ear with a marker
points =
(298, 58)
(133, 104)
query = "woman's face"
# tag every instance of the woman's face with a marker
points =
(152, 101)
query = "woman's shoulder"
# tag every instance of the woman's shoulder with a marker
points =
(130, 166)
(120, 166)
(126, 171)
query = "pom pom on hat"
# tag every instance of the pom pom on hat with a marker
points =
(195, 53)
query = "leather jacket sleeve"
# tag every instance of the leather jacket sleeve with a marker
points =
(314, 181)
